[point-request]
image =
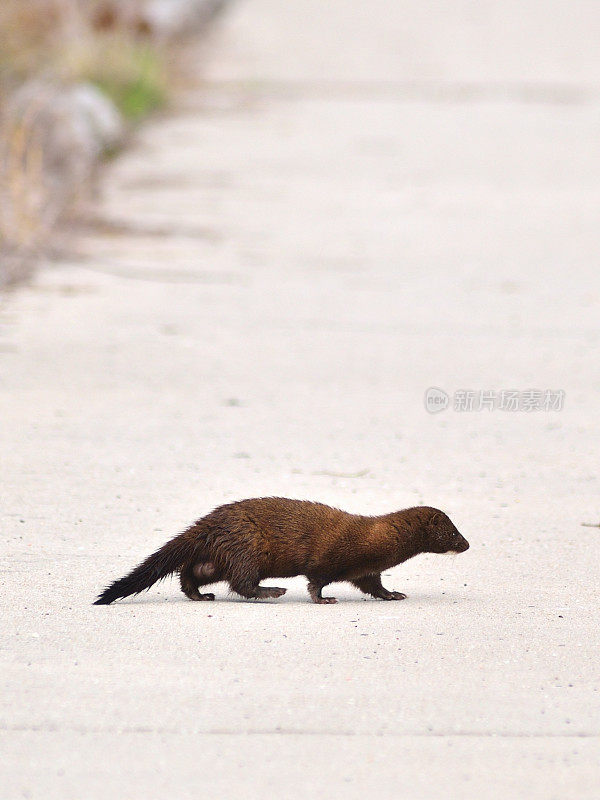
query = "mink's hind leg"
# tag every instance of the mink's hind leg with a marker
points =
(247, 586)
(371, 584)
(192, 576)
(315, 588)
(256, 592)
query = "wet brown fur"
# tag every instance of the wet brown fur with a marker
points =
(274, 537)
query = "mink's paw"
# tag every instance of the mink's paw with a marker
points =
(325, 600)
(198, 596)
(393, 596)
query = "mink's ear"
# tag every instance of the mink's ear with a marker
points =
(435, 518)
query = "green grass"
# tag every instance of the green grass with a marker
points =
(132, 75)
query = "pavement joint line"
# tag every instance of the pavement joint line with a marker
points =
(304, 732)
(534, 92)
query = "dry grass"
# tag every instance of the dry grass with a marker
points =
(24, 208)
(38, 35)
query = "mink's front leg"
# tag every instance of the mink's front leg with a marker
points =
(371, 584)
(314, 589)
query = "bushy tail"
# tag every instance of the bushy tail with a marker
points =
(168, 559)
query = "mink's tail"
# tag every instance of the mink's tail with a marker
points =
(168, 559)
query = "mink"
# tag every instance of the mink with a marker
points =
(274, 537)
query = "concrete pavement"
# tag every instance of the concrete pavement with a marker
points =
(351, 204)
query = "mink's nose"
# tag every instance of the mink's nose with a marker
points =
(462, 545)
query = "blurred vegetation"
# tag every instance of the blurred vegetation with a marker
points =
(63, 43)
(84, 40)
(133, 77)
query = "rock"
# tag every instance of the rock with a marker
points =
(73, 126)
(52, 141)
(99, 113)
(70, 128)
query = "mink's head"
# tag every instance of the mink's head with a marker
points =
(441, 536)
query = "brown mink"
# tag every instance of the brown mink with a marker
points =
(274, 537)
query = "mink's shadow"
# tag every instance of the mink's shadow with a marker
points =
(411, 600)
(297, 598)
